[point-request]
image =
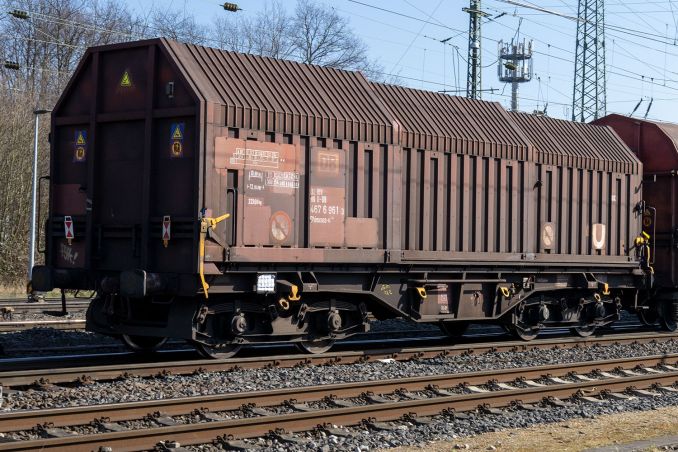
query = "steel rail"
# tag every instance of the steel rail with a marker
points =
(21, 325)
(24, 299)
(24, 306)
(205, 432)
(149, 369)
(22, 420)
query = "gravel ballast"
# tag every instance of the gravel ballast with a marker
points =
(135, 388)
(452, 432)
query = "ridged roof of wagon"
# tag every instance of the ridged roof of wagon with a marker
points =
(284, 96)
(450, 123)
(573, 143)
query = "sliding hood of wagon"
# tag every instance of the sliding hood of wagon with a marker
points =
(314, 164)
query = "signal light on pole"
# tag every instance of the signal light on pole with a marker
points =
(19, 14)
(13, 65)
(232, 7)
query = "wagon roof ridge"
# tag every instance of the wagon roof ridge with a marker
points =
(266, 94)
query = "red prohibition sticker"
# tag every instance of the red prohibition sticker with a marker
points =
(281, 226)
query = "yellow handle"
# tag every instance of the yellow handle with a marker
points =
(205, 225)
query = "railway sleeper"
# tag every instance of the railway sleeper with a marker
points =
(589, 391)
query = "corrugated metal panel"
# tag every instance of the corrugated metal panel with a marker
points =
(440, 122)
(560, 142)
(273, 95)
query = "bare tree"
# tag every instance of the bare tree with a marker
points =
(321, 36)
(179, 25)
(312, 33)
(15, 164)
(271, 32)
(47, 42)
(267, 34)
(233, 35)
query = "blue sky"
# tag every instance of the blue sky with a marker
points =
(637, 67)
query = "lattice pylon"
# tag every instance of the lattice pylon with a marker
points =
(588, 99)
(474, 74)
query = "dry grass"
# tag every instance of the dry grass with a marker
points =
(570, 436)
(12, 291)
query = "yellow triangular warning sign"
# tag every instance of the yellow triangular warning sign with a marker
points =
(125, 81)
(176, 135)
(81, 140)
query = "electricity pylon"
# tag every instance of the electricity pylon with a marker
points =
(588, 99)
(474, 74)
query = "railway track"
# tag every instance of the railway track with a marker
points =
(23, 372)
(21, 325)
(252, 414)
(11, 308)
(22, 306)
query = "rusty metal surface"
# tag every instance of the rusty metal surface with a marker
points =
(572, 144)
(439, 122)
(318, 165)
(656, 144)
(282, 96)
(116, 167)
(587, 177)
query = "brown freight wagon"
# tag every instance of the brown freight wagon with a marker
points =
(346, 197)
(656, 145)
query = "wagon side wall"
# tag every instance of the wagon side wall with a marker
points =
(311, 199)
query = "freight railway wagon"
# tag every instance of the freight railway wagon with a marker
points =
(230, 199)
(656, 144)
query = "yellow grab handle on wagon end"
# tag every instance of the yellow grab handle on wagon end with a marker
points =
(205, 225)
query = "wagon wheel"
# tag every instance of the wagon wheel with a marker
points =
(522, 326)
(648, 316)
(454, 329)
(314, 347)
(667, 318)
(143, 344)
(583, 330)
(221, 351)
(525, 334)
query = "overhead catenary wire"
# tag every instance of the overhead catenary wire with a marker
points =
(433, 21)
(549, 45)
(634, 32)
(638, 75)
